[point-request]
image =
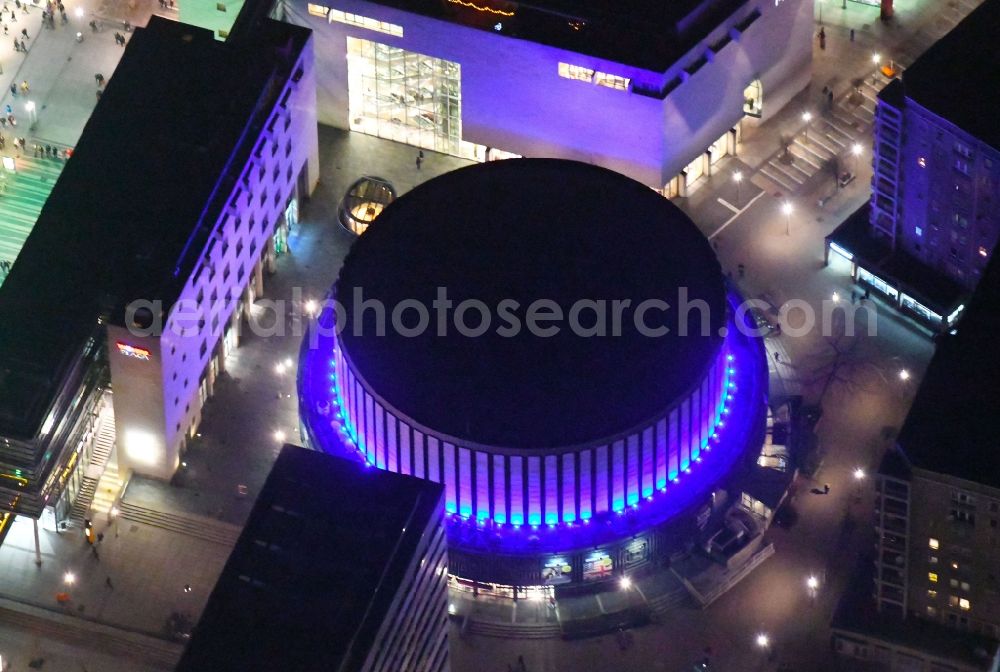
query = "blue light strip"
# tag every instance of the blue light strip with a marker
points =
(348, 435)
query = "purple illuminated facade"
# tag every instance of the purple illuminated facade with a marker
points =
(513, 504)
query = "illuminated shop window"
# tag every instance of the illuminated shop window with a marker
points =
(365, 22)
(753, 99)
(318, 10)
(576, 72)
(611, 81)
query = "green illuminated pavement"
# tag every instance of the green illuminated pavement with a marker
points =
(22, 195)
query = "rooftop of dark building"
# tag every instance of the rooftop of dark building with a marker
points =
(316, 568)
(956, 78)
(130, 214)
(648, 34)
(952, 426)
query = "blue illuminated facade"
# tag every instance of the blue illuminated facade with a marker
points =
(531, 502)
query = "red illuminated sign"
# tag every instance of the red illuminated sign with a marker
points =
(132, 351)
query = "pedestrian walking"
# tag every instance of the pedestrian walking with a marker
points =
(822, 38)
(852, 34)
(420, 161)
(826, 488)
(829, 99)
(100, 535)
(520, 659)
(107, 582)
(25, 87)
(854, 297)
(741, 270)
(5, 31)
(777, 356)
(93, 552)
(13, 87)
(99, 78)
(24, 33)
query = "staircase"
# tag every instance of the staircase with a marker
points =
(514, 630)
(101, 484)
(108, 488)
(22, 195)
(191, 525)
(81, 505)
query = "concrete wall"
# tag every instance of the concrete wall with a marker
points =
(163, 397)
(514, 100)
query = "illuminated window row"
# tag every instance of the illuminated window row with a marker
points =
(355, 20)
(536, 489)
(582, 74)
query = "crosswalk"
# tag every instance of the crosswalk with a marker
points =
(23, 192)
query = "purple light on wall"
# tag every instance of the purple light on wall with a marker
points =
(561, 489)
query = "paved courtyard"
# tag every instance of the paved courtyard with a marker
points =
(254, 409)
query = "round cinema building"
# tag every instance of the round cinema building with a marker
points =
(553, 342)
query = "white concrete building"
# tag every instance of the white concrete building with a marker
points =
(657, 91)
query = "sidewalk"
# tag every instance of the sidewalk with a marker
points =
(148, 568)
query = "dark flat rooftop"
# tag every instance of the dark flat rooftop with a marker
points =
(957, 77)
(128, 217)
(649, 34)
(532, 229)
(316, 568)
(950, 428)
(930, 287)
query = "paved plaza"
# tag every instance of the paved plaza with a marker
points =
(254, 408)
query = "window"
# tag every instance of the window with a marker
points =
(576, 72)
(965, 586)
(933, 543)
(318, 10)
(932, 594)
(953, 583)
(919, 231)
(962, 166)
(611, 81)
(964, 604)
(994, 507)
(983, 252)
(932, 577)
(933, 560)
(963, 150)
(365, 22)
(931, 611)
(922, 162)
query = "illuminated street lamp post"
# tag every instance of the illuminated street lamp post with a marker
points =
(876, 59)
(859, 476)
(856, 150)
(738, 179)
(812, 583)
(786, 209)
(32, 115)
(806, 118)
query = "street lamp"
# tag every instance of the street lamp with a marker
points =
(876, 59)
(786, 208)
(904, 375)
(625, 583)
(738, 179)
(279, 436)
(856, 150)
(69, 578)
(812, 582)
(763, 641)
(79, 12)
(859, 474)
(806, 118)
(32, 116)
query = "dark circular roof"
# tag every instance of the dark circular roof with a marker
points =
(530, 229)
